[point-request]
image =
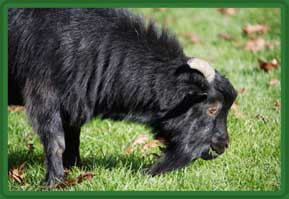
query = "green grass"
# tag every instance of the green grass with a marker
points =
(251, 163)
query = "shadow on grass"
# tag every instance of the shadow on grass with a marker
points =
(16, 158)
(131, 162)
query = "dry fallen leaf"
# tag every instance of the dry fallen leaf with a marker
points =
(255, 45)
(258, 28)
(169, 20)
(30, 147)
(235, 106)
(160, 9)
(192, 37)
(85, 176)
(151, 144)
(13, 108)
(278, 104)
(274, 82)
(66, 171)
(242, 90)
(154, 155)
(17, 174)
(228, 11)
(66, 183)
(225, 36)
(267, 66)
(28, 136)
(236, 111)
(140, 139)
(73, 181)
(261, 117)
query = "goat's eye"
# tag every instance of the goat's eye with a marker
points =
(213, 110)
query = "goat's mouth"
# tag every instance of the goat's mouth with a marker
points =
(212, 152)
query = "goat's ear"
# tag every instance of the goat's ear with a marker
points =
(175, 107)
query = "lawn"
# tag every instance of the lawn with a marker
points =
(252, 162)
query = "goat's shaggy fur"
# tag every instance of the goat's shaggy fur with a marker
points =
(69, 65)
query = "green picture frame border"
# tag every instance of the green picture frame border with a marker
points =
(282, 4)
